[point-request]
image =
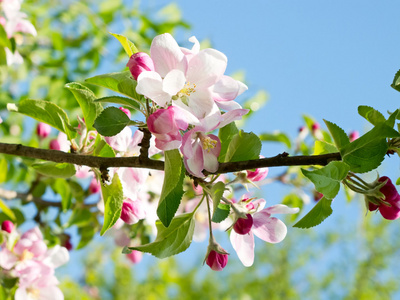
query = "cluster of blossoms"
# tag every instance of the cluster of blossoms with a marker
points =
(27, 258)
(14, 22)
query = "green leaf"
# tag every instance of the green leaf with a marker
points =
(368, 151)
(53, 169)
(4, 41)
(327, 179)
(225, 135)
(19, 216)
(85, 98)
(113, 199)
(5, 209)
(171, 240)
(79, 217)
(322, 147)
(45, 112)
(3, 170)
(319, 213)
(396, 81)
(121, 82)
(86, 233)
(121, 101)
(221, 212)
(61, 187)
(371, 115)
(129, 47)
(276, 137)
(111, 121)
(339, 136)
(172, 189)
(243, 146)
(101, 148)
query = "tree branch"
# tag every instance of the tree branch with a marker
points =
(135, 162)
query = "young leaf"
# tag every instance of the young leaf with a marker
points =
(113, 199)
(45, 112)
(61, 187)
(6, 210)
(276, 137)
(53, 169)
(371, 115)
(121, 101)
(396, 81)
(3, 170)
(225, 135)
(339, 136)
(322, 147)
(243, 146)
(171, 240)
(327, 179)
(221, 212)
(121, 82)
(368, 151)
(101, 148)
(85, 98)
(172, 189)
(111, 121)
(86, 233)
(79, 217)
(319, 213)
(129, 47)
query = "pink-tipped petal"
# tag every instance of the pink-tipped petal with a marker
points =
(281, 209)
(271, 230)
(244, 247)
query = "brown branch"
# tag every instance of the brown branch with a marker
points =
(135, 162)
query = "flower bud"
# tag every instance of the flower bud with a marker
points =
(126, 111)
(138, 63)
(132, 211)
(135, 256)
(7, 226)
(354, 135)
(243, 226)
(54, 145)
(216, 261)
(94, 186)
(43, 130)
(392, 197)
(315, 126)
(257, 175)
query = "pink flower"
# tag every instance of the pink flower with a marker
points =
(165, 124)
(217, 261)
(267, 228)
(354, 135)
(138, 63)
(7, 226)
(126, 111)
(258, 174)
(94, 186)
(43, 130)
(243, 226)
(132, 211)
(135, 256)
(392, 197)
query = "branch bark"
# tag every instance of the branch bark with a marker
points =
(142, 162)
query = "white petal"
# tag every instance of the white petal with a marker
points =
(167, 55)
(271, 230)
(228, 105)
(57, 256)
(173, 82)
(244, 247)
(206, 68)
(226, 89)
(282, 209)
(150, 84)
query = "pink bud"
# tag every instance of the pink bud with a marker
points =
(54, 145)
(135, 256)
(7, 226)
(354, 135)
(258, 174)
(315, 126)
(43, 130)
(132, 211)
(216, 261)
(392, 197)
(317, 196)
(127, 111)
(372, 206)
(243, 226)
(67, 242)
(301, 129)
(94, 186)
(138, 63)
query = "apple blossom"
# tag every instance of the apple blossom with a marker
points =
(43, 130)
(392, 198)
(267, 228)
(135, 256)
(217, 261)
(138, 63)
(132, 211)
(7, 226)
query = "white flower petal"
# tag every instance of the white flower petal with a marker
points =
(150, 84)
(173, 82)
(244, 247)
(282, 209)
(271, 230)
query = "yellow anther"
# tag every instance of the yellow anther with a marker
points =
(26, 255)
(187, 90)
